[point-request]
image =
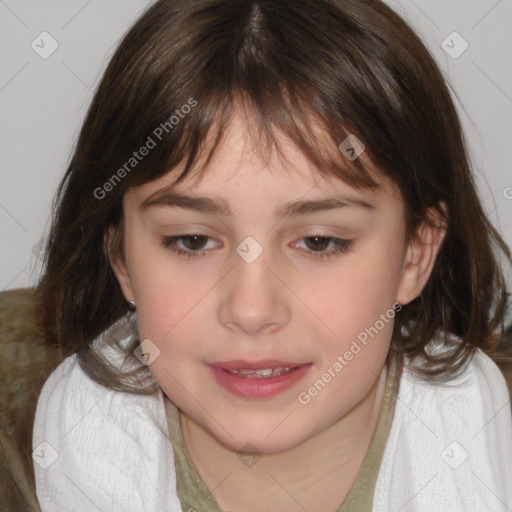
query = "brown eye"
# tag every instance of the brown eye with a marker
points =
(194, 242)
(325, 247)
(317, 243)
(190, 246)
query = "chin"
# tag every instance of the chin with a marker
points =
(271, 437)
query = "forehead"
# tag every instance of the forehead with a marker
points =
(242, 160)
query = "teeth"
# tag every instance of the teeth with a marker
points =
(263, 373)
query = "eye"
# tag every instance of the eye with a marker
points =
(193, 242)
(194, 245)
(316, 245)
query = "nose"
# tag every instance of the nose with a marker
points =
(254, 300)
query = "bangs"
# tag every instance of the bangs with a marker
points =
(266, 122)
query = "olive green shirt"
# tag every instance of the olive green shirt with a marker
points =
(193, 492)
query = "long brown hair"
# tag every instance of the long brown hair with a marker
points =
(355, 67)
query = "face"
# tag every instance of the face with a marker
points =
(244, 287)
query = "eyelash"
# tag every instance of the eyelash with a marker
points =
(341, 246)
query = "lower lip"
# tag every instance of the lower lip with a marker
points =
(258, 387)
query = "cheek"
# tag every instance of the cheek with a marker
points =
(356, 295)
(358, 310)
(168, 315)
(166, 290)
(355, 305)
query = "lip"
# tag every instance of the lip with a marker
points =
(255, 387)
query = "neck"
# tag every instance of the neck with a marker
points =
(314, 475)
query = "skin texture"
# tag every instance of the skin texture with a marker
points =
(286, 304)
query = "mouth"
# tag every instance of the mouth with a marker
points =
(258, 379)
(264, 368)
(264, 373)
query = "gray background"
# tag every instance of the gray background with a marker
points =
(43, 101)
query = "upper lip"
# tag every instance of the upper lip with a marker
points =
(255, 365)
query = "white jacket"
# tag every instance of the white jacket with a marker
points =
(449, 449)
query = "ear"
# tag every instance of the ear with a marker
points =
(114, 251)
(420, 256)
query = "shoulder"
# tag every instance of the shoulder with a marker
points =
(96, 447)
(72, 392)
(481, 382)
(451, 441)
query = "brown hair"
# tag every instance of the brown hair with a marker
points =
(354, 66)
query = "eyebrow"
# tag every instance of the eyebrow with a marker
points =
(172, 198)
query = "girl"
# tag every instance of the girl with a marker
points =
(270, 277)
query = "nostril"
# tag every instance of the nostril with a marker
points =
(269, 329)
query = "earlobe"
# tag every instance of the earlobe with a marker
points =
(420, 258)
(117, 262)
